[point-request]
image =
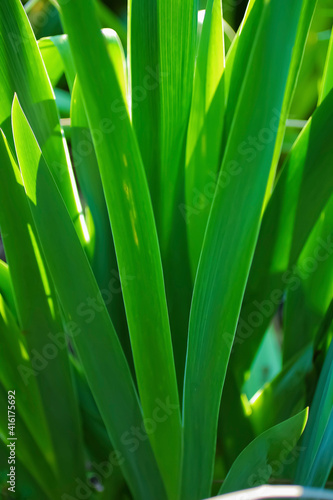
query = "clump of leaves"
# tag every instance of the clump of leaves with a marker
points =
(151, 237)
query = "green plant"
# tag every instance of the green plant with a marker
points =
(125, 313)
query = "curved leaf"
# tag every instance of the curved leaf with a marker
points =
(269, 449)
(229, 243)
(94, 337)
(133, 228)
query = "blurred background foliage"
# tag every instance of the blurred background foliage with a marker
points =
(113, 14)
(45, 21)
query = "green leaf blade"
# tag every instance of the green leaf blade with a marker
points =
(134, 232)
(39, 318)
(204, 135)
(23, 72)
(96, 341)
(229, 245)
(169, 51)
(315, 461)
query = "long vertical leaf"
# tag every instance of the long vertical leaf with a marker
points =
(14, 360)
(133, 228)
(23, 72)
(229, 243)
(95, 338)
(103, 260)
(39, 317)
(162, 40)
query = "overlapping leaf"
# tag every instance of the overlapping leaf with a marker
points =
(255, 464)
(6, 287)
(38, 316)
(162, 51)
(23, 72)
(204, 134)
(95, 340)
(229, 242)
(316, 460)
(133, 228)
(306, 305)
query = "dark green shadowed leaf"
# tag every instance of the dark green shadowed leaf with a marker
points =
(28, 453)
(235, 431)
(316, 459)
(229, 243)
(95, 341)
(327, 81)
(324, 334)
(299, 197)
(133, 228)
(306, 306)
